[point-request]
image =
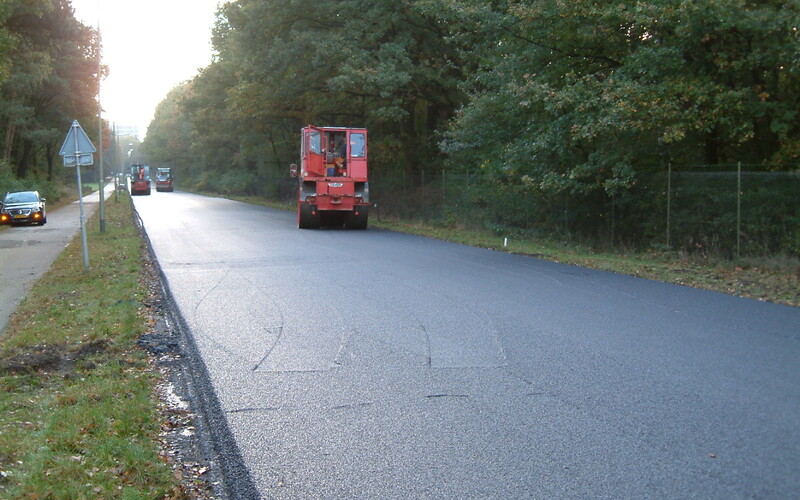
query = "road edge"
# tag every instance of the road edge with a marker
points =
(215, 437)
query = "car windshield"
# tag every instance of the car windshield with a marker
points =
(24, 197)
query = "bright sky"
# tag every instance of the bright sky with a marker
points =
(150, 46)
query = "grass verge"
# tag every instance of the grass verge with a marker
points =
(78, 412)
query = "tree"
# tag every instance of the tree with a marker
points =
(579, 99)
(386, 65)
(564, 108)
(169, 137)
(51, 80)
(716, 79)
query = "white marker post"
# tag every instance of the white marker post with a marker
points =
(77, 150)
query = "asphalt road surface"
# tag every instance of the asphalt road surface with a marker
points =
(374, 364)
(27, 252)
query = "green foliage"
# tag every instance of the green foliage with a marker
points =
(564, 109)
(52, 191)
(704, 212)
(228, 183)
(169, 137)
(591, 93)
(390, 66)
(48, 77)
(582, 100)
(9, 182)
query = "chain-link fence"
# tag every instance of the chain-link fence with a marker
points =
(723, 210)
(733, 210)
(726, 210)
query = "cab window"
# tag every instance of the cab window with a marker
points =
(357, 145)
(315, 142)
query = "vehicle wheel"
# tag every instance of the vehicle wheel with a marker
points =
(308, 217)
(358, 219)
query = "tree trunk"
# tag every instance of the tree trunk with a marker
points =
(712, 148)
(409, 145)
(278, 161)
(24, 161)
(50, 162)
(9, 141)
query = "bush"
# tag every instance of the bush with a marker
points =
(238, 182)
(10, 183)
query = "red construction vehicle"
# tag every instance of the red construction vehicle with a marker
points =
(332, 179)
(140, 179)
(164, 179)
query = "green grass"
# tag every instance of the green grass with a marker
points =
(78, 412)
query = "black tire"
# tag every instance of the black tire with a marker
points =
(358, 218)
(308, 217)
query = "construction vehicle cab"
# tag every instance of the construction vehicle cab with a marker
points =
(333, 187)
(164, 179)
(140, 179)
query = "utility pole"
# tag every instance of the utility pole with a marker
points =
(100, 126)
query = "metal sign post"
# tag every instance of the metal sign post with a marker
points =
(83, 221)
(77, 150)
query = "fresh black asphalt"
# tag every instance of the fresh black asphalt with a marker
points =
(378, 364)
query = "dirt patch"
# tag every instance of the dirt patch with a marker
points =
(91, 349)
(33, 359)
(60, 358)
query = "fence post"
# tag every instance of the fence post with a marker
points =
(444, 193)
(669, 198)
(423, 194)
(738, 208)
(612, 221)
